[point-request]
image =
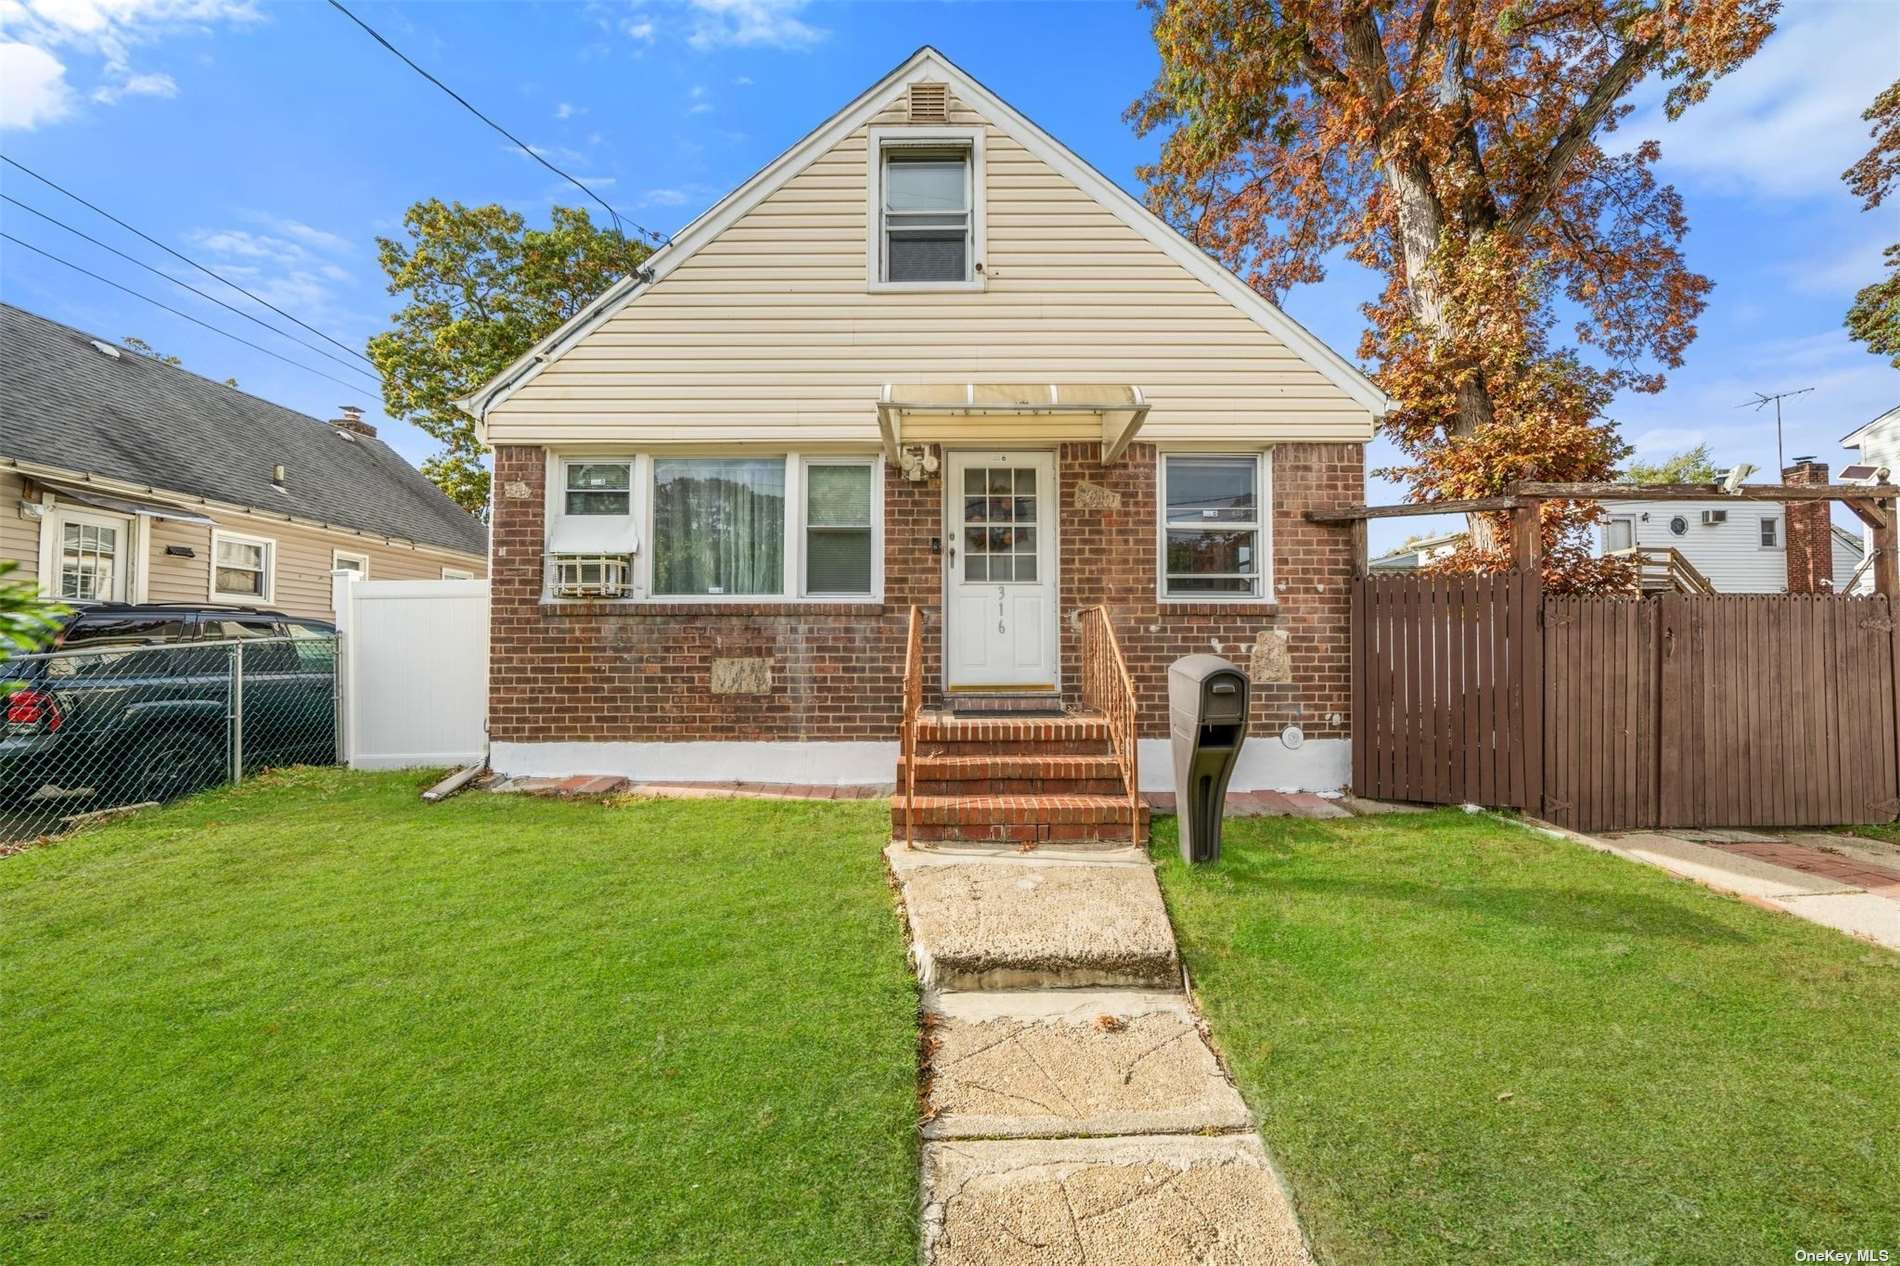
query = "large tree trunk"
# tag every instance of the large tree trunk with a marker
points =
(1421, 225)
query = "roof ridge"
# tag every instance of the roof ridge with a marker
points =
(162, 363)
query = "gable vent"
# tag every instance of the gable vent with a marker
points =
(929, 103)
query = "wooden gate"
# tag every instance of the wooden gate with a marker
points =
(1606, 714)
(1445, 695)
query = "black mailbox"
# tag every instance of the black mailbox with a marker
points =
(1207, 721)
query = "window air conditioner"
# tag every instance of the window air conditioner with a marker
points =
(1711, 517)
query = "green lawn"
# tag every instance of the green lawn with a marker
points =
(1468, 1042)
(314, 1020)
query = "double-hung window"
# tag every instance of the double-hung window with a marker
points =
(839, 509)
(598, 488)
(241, 567)
(926, 209)
(1770, 532)
(1214, 527)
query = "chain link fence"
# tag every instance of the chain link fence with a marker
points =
(95, 729)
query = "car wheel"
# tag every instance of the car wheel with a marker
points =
(172, 765)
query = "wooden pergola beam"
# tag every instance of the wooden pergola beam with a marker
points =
(1411, 509)
(1869, 512)
(1706, 492)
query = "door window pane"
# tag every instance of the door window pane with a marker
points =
(838, 529)
(88, 561)
(718, 526)
(999, 539)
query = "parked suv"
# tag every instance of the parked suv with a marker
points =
(137, 702)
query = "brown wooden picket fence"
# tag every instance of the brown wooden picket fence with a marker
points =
(1617, 713)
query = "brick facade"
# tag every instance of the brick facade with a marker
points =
(617, 672)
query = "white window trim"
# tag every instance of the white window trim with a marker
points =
(270, 569)
(52, 545)
(882, 138)
(792, 587)
(1265, 504)
(1781, 539)
(457, 573)
(336, 561)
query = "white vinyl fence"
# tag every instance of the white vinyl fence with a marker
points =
(414, 671)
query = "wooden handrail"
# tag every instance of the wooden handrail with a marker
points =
(913, 705)
(1107, 688)
(1665, 564)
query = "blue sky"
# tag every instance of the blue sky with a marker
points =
(275, 142)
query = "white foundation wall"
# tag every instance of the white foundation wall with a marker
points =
(1265, 763)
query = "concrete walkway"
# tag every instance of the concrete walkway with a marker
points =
(1075, 1112)
(1838, 881)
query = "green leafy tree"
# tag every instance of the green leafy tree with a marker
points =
(1691, 466)
(1874, 319)
(27, 620)
(481, 288)
(139, 345)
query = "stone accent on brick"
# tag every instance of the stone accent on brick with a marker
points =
(742, 676)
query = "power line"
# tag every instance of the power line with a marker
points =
(186, 285)
(186, 315)
(187, 259)
(525, 148)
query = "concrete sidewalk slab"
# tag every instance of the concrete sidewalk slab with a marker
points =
(1861, 914)
(1871, 852)
(1077, 1078)
(1011, 924)
(1729, 872)
(978, 1005)
(1112, 1202)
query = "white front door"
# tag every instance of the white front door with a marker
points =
(1000, 586)
(86, 556)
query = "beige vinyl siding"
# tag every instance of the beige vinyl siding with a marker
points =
(301, 583)
(303, 554)
(768, 333)
(19, 537)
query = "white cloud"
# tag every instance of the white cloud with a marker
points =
(700, 105)
(33, 87)
(1840, 267)
(566, 110)
(743, 81)
(751, 23)
(1787, 123)
(143, 85)
(665, 198)
(308, 235)
(102, 31)
(638, 29)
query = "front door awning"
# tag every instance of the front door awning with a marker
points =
(1002, 412)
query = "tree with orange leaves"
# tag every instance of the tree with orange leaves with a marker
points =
(1457, 147)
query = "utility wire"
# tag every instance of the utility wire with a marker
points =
(187, 259)
(525, 148)
(186, 315)
(186, 285)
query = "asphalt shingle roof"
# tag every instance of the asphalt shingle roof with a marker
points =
(64, 403)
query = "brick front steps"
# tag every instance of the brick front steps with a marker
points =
(1022, 782)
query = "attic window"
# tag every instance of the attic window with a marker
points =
(929, 103)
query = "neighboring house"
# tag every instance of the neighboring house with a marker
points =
(1418, 553)
(126, 479)
(1738, 546)
(928, 355)
(1876, 448)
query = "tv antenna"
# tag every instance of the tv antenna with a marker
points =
(1761, 402)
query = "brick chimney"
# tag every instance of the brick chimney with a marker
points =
(1810, 543)
(352, 420)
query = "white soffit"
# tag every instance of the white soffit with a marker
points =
(928, 63)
